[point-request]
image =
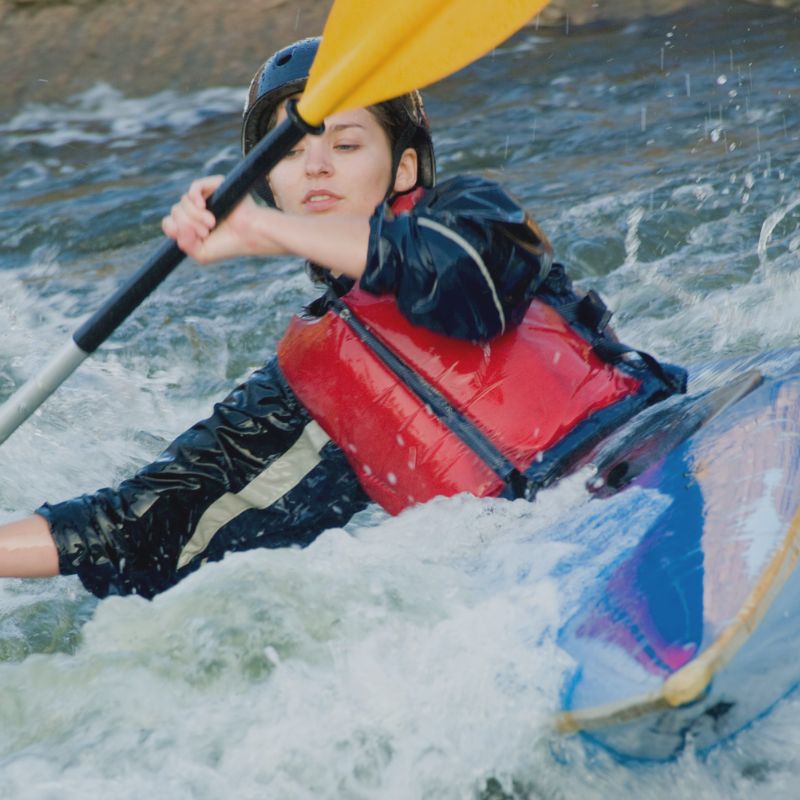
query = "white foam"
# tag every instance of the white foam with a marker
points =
(399, 666)
(104, 115)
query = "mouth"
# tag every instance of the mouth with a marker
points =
(320, 200)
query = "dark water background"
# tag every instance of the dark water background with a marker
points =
(406, 657)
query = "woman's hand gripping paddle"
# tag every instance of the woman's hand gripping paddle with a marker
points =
(370, 52)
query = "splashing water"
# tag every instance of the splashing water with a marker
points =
(405, 657)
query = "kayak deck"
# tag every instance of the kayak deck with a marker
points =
(683, 637)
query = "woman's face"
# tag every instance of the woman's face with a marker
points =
(346, 170)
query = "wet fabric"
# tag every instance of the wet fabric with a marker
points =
(465, 261)
(142, 537)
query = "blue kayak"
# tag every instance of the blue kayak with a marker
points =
(686, 637)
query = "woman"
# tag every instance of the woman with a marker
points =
(408, 268)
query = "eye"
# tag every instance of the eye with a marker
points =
(346, 147)
(295, 151)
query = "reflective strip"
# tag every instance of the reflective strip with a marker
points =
(280, 477)
(474, 255)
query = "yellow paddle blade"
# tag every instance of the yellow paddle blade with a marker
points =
(373, 50)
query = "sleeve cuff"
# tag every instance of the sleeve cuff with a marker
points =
(381, 273)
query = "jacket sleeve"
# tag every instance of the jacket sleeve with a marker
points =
(466, 261)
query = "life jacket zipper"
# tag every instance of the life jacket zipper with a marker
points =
(438, 404)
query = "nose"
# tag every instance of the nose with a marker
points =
(318, 160)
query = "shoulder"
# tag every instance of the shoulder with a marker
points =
(473, 195)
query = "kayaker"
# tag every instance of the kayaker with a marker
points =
(408, 268)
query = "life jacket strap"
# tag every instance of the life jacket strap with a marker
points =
(675, 378)
(593, 314)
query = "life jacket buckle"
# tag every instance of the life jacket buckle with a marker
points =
(593, 312)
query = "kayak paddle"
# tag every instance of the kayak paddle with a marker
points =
(370, 52)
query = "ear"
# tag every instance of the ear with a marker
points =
(406, 176)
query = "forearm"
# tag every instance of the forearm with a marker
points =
(27, 549)
(337, 242)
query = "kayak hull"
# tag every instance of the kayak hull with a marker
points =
(687, 636)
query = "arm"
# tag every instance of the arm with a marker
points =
(465, 262)
(336, 242)
(27, 549)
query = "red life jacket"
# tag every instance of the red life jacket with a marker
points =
(524, 390)
(420, 414)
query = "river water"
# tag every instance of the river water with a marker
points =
(413, 657)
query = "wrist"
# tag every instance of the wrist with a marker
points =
(262, 237)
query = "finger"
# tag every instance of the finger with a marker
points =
(193, 246)
(193, 204)
(204, 188)
(177, 231)
(196, 195)
(186, 214)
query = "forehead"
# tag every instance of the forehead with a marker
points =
(354, 118)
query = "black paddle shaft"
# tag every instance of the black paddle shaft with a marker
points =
(258, 162)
